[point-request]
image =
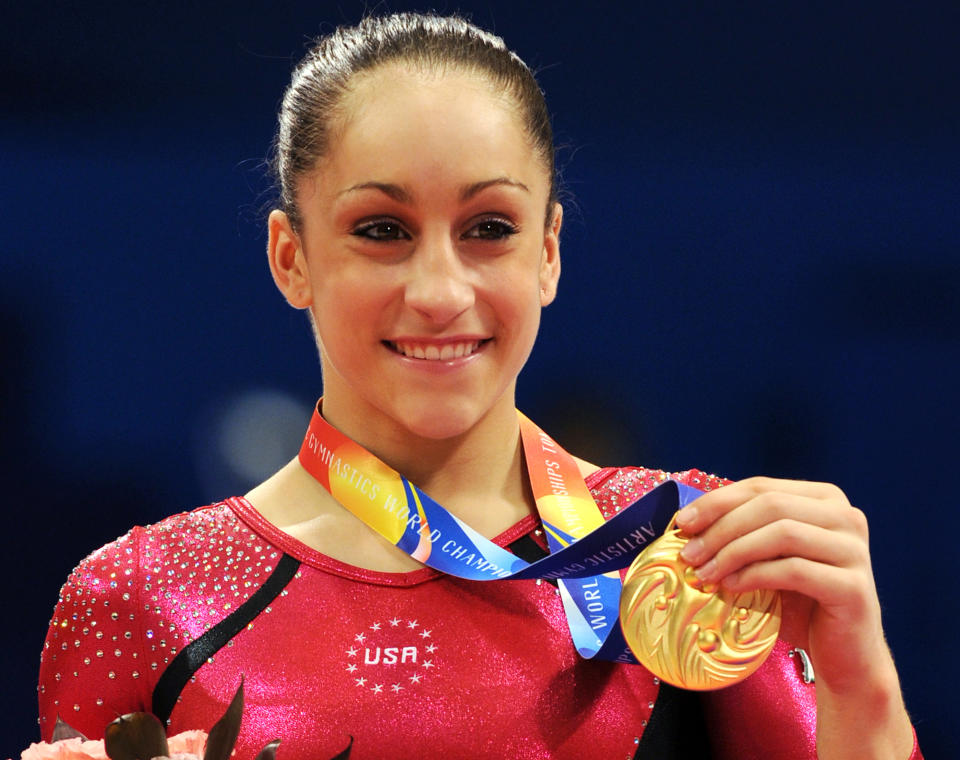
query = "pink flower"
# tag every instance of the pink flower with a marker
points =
(188, 745)
(65, 749)
(141, 734)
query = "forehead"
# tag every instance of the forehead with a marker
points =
(402, 119)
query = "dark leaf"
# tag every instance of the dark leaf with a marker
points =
(345, 755)
(224, 733)
(136, 736)
(63, 730)
(269, 752)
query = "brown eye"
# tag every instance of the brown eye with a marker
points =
(382, 231)
(491, 229)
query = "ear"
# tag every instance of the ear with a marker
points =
(550, 260)
(288, 264)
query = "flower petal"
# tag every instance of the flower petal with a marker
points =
(188, 742)
(269, 752)
(224, 733)
(135, 736)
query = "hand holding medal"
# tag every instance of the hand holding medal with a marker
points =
(688, 632)
(796, 536)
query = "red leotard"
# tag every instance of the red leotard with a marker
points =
(410, 665)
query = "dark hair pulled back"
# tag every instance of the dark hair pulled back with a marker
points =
(323, 77)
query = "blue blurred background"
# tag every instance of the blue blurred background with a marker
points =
(760, 273)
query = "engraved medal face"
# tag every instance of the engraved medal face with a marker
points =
(693, 635)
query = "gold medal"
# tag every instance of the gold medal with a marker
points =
(691, 634)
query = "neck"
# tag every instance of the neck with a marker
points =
(478, 475)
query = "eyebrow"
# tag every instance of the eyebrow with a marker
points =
(401, 195)
(471, 190)
(393, 191)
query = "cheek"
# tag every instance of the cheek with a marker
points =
(517, 291)
(344, 311)
(517, 305)
(354, 295)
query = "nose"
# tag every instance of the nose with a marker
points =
(438, 287)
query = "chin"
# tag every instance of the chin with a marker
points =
(438, 426)
(440, 420)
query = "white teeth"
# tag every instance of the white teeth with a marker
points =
(432, 352)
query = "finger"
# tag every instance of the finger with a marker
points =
(768, 508)
(782, 539)
(706, 509)
(834, 588)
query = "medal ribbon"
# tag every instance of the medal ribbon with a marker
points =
(586, 552)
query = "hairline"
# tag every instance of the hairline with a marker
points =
(340, 114)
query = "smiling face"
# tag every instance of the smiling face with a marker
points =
(423, 255)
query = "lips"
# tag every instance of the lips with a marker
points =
(435, 351)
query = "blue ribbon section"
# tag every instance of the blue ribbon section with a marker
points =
(619, 540)
(591, 597)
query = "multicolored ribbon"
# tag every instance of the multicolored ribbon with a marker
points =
(586, 552)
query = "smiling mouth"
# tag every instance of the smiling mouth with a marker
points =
(433, 352)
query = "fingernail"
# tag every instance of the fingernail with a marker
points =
(693, 551)
(686, 516)
(708, 571)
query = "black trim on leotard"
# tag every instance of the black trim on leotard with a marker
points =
(191, 657)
